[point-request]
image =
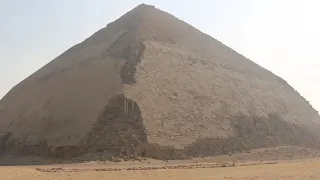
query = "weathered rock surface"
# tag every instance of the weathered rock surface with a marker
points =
(152, 85)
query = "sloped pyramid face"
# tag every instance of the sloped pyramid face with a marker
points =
(151, 84)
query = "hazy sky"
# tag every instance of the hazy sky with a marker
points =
(281, 35)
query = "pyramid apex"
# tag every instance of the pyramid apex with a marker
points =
(143, 5)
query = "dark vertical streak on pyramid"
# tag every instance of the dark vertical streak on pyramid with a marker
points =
(150, 84)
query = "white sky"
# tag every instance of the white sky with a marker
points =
(281, 35)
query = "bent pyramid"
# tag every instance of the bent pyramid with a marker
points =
(151, 84)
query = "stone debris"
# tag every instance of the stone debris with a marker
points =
(136, 168)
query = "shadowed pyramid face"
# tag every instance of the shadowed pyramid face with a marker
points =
(151, 84)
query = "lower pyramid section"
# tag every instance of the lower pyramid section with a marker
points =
(120, 130)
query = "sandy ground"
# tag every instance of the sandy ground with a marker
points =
(296, 169)
(281, 163)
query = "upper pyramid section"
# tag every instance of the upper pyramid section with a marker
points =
(151, 84)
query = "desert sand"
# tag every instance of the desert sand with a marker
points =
(281, 163)
(302, 169)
